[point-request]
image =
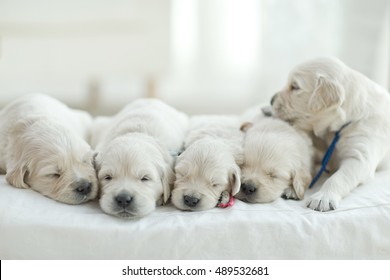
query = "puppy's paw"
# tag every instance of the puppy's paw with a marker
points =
(225, 197)
(323, 202)
(289, 193)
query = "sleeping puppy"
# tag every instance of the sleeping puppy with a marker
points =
(207, 172)
(42, 147)
(134, 160)
(324, 96)
(277, 161)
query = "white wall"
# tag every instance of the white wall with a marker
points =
(202, 56)
(65, 48)
(245, 49)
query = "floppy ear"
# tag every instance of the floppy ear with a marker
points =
(235, 180)
(167, 181)
(245, 126)
(300, 181)
(168, 176)
(327, 93)
(17, 175)
(17, 157)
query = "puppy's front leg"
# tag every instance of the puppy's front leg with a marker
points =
(350, 174)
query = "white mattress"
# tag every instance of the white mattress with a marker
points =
(35, 227)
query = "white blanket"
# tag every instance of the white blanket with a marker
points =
(36, 227)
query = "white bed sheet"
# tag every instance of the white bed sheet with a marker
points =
(36, 227)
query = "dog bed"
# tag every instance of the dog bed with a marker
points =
(35, 227)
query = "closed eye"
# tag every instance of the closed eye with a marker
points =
(107, 178)
(54, 175)
(294, 86)
(145, 178)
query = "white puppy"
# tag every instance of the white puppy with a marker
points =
(134, 161)
(208, 169)
(277, 161)
(324, 96)
(42, 147)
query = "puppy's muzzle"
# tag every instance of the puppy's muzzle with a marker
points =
(248, 189)
(82, 187)
(191, 201)
(123, 200)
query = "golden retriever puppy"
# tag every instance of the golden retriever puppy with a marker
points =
(134, 161)
(277, 161)
(332, 101)
(43, 147)
(207, 172)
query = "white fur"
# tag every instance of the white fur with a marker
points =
(98, 129)
(42, 146)
(320, 97)
(277, 160)
(209, 166)
(134, 156)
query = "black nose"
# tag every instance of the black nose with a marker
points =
(190, 201)
(248, 189)
(123, 199)
(273, 99)
(83, 187)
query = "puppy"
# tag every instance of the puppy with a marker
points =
(134, 160)
(42, 147)
(277, 161)
(207, 172)
(324, 96)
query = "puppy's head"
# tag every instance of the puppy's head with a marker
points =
(135, 174)
(204, 171)
(314, 90)
(271, 167)
(52, 160)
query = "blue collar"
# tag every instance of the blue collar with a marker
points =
(328, 155)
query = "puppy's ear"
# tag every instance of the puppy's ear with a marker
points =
(17, 175)
(301, 179)
(17, 161)
(167, 176)
(167, 180)
(327, 93)
(235, 180)
(245, 126)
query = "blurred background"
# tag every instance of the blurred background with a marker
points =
(201, 56)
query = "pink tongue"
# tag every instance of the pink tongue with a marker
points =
(228, 204)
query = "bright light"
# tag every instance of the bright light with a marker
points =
(241, 32)
(184, 31)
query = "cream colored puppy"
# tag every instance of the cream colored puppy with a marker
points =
(277, 161)
(208, 169)
(42, 147)
(134, 160)
(324, 96)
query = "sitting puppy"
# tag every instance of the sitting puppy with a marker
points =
(277, 161)
(134, 159)
(207, 172)
(325, 97)
(42, 147)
